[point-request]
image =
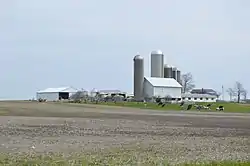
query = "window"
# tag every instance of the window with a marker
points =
(195, 98)
(189, 98)
(201, 98)
(183, 98)
(206, 98)
(212, 98)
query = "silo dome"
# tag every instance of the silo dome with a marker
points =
(174, 68)
(157, 52)
(138, 57)
(167, 66)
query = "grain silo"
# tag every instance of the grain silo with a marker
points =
(138, 77)
(157, 64)
(174, 73)
(167, 71)
(178, 75)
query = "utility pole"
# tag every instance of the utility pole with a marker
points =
(222, 89)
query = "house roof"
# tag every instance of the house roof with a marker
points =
(163, 82)
(196, 95)
(204, 91)
(60, 89)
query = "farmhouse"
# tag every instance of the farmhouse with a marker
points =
(161, 87)
(54, 94)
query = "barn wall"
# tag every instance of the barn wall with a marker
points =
(174, 92)
(148, 89)
(196, 99)
(51, 96)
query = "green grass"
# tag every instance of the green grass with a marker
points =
(110, 159)
(229, 107)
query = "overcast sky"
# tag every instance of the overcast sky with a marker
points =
(91, 43)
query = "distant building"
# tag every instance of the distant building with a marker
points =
(199, 97)
(54, 94)
(204, 91)
(161, 87)
(112, 92)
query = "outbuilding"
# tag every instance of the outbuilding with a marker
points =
(194, 97)
(54, 94)
(161, 87)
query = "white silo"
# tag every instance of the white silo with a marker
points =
(174, 73)
(178, 76)
(157, 64)
(167, 71)
(138, 77)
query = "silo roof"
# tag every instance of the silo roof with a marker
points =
(167, 66)
(138, 57)
(157, 52)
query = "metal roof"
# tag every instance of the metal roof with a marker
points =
(198, 95)
(204, 91)
(163, 82)
(157, 52)
(60, 89)
(138, 57)
(110, 91)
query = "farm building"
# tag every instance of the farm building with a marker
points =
(112, 92)
(161, 87)
(199, 97)
(54, 94)
(204, 91)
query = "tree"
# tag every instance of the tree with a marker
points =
(187, 82)
(231, 93)
(239, 90)
(244, 94)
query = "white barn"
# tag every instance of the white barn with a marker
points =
(199, 97)
(54, 94)
(161, 87)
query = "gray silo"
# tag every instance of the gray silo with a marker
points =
(167, 71)
(178, 76)
(174, 73)
(138, 77)
(157, 64)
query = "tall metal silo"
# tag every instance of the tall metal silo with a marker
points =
(138, 77)
(178, 76)
(167, 71)
(174, 73)
(157, 64)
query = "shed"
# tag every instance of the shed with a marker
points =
(54, 94)
(161, 87)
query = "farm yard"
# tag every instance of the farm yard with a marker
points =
(87, 134)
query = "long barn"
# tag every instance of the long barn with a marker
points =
(54, 94)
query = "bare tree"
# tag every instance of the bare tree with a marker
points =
(187, 82)
(239, 90)
(244, 94)
(231, 93)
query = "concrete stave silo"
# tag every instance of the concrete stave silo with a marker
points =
(138, 77)
(178, 75)
(157, 64)
(167, 71)
(174, 73)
